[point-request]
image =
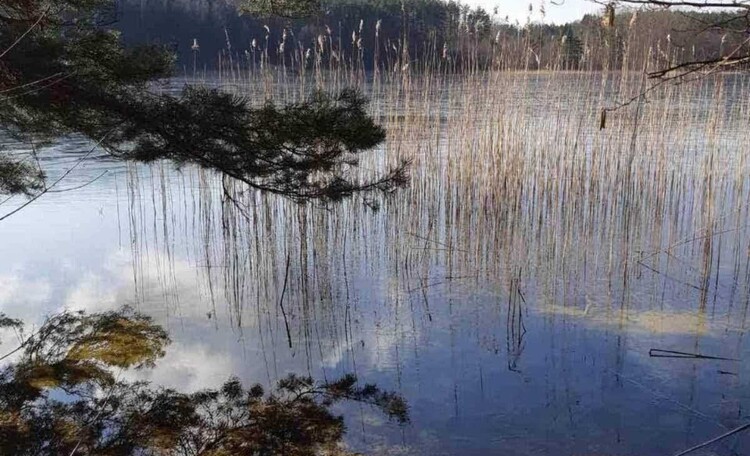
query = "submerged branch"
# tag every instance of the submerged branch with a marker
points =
(717, 439)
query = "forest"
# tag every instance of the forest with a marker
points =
(376, 33)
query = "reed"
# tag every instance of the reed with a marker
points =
(513, 181)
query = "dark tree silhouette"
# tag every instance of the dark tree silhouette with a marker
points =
(282, 8)
(64, 71)
(62, 396)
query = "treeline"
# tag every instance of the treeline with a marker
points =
(422, 33)
(346, 30)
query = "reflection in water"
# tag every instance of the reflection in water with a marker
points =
(511, 294)
(63, 395)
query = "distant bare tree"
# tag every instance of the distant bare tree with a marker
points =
(731, 18)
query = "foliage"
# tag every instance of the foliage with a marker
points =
(572, 50)
(448, 32)
(63, 72)
(18, 176)
(76, 353)
(7, 322)
(421, 24)
(284, 8)
(298, 150)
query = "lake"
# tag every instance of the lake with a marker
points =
(513, 293)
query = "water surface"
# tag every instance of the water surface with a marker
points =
(512, 294)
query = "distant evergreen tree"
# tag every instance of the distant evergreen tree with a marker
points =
(428, 29)
(282, 8)
(572, 50)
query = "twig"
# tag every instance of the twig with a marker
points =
(47, 189)
(656, 353)
(712, 441)
(28, 84)
(426, 302)
(281, 300)
(25, 342)
(656, 271)
(39, 89)
(448, 246)
(17, 349)
(684, 242)
(98, 413)
(32, 27)
(78, 187)
(7, 199)
(656, 394)
(424, 285)
(721, 372)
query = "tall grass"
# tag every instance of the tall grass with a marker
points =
(515, 191)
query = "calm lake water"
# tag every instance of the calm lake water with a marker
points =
(512, 302)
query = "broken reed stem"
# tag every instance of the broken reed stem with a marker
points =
(281, 299)
(717, 439)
